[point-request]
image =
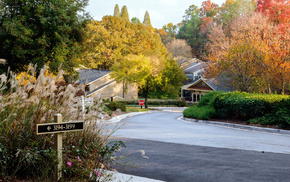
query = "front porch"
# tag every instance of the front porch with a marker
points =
(194, 91)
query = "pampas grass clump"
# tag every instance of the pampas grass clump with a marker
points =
(25, 155)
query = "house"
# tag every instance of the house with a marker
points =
(196, 86)
(100, 81)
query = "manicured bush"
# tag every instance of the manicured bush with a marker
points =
(25, 155)
(256, 108)
(244, 105)
(279, 115)
(113, 106)
(204, 109)
(205, 112)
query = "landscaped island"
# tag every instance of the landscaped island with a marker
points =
(264, 109)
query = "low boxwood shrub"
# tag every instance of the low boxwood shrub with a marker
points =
(205, 112)
(113, 106)
(204, 109)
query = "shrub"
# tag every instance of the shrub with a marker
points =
(113, 106)
(204, 109)
(27, 155)
(205, 112)
(244, 105)
(279, 115)
(108, 111)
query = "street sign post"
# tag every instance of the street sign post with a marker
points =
(141, 103)
(58, 128)
(49, 128)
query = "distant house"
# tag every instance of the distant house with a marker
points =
(100, 81)
(196, 86)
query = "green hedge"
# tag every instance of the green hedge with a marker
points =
(279, 115)
(113, 106)
(204, 109)
(244, 105)
(155, 102)
(206, 112)
(264, 109)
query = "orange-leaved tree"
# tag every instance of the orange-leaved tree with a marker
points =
(250, 53)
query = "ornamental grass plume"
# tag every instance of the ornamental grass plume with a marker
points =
(23, 154)
(2, 61)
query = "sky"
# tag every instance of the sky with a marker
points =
(161, 11)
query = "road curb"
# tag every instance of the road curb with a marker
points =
(251, 128)
(123, 116)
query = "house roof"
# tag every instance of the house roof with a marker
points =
(215, 85)
(194, 67)
(101, 87)
(218, 85)
(90, 75)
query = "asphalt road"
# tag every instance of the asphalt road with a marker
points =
(176, 150)
(190, 163)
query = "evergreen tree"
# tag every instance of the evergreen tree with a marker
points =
(124, 13)
(117, 11)
(190, 29)
(147, 21)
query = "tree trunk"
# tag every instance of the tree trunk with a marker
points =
(283, 87)
(146, 92)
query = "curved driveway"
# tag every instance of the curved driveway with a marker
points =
(161, 147)
(166, 127)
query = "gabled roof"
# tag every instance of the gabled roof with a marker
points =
(214, 85)
(90, 75)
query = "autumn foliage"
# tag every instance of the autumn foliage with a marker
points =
(250, 54)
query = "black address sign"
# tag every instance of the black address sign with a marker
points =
(48, 128)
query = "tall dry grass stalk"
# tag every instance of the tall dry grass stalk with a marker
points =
(25, 154)
(2, 61)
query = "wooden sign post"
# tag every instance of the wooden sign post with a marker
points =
(58, 128)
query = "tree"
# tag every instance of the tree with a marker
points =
(124, 13)
(249, 55)
(171, 29)
(39, 32)
(171, 80)
(113, 38)
(233, 9)
(132, 69)
(135, 20)
(277, 10)
(117, 11)
(208, 13)
(180, 51)
(190, 29)
(165, 37)
(138, 69)
(146, 20)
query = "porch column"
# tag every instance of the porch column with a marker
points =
(182, 93)
(192, 96)
(196, 98)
